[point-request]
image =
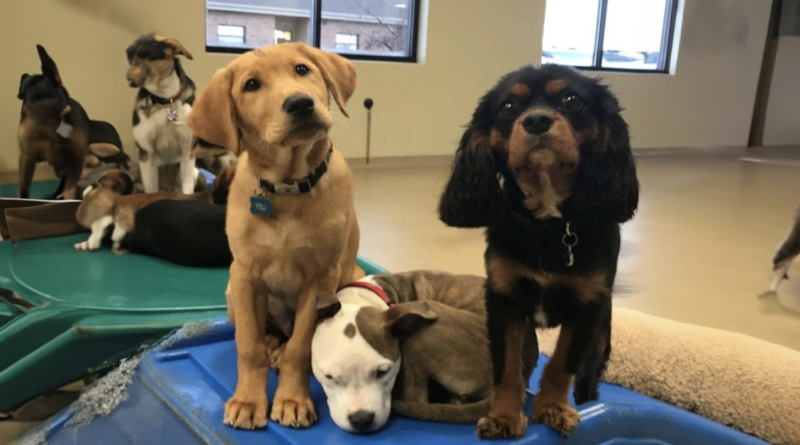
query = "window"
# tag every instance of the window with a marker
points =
(346, 42)
(618, 35)
(358, 29)
(229, 34)
(282, 36)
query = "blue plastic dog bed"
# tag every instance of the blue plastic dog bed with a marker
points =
(177, 394)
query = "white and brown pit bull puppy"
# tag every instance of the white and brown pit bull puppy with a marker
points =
(414, 343)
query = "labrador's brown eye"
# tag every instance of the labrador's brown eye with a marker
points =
(301, 69)
(252, 85)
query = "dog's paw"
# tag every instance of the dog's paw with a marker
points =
(246, 413)
(502, 427)
(118, 250)
(559, 416)
(294, 412)
(87, 245)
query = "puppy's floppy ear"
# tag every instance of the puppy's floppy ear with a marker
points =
(213, 116)
(124, 184)
(327, 307)
(21, 93)
(606, 176)
(49, 68)
(338, 72)
(473, 196)
(407, 318)
(177, 47)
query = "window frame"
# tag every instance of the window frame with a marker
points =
(316, 37)
(665, 54)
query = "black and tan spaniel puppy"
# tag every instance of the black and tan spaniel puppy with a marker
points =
(546, 166)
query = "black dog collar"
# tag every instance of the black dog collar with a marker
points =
(158, 100)
(301, 186)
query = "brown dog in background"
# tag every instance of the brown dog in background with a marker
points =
(53, 128)
(291, 222)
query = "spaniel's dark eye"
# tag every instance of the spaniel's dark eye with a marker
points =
(381, 373)
(571, 102)
(509, 108)
(252, 85)
(301, 69)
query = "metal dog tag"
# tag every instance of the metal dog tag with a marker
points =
(260, 205)
(64, 130)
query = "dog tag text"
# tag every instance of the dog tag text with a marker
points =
(260, 206)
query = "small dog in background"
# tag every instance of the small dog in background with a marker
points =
(788, 250)
(54, 128)
(165, 98)
(546, 166)
(110, 202)
(183, 229)
(212, 158)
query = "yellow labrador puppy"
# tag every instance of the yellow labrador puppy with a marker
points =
(291, 223)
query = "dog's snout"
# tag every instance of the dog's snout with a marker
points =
(131, 83)
(537, 123)
(299, 105)
(362, 420)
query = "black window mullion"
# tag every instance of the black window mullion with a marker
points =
(316, 23)
(670, 16)
(601, 34)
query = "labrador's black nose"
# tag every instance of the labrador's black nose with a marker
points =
(299, 105)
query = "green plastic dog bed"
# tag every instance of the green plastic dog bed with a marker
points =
(81, 312)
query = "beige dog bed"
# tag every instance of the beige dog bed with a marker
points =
(733, 379)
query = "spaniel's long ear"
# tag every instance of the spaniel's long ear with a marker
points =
(606, 175)
(473, 196)
(213, 117)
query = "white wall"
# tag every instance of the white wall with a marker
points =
(709, 100)
(419, 108)
(782, 122)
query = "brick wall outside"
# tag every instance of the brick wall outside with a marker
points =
(371, 36)
(259, 30)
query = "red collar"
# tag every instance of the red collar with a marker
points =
(371, 287)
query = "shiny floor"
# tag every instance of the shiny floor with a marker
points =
(698, 251)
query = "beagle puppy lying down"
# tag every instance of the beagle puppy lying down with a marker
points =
(184, 229)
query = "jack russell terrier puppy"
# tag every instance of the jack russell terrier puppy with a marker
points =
(414, 343)
(165, 98)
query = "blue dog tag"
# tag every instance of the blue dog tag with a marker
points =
(260, 206)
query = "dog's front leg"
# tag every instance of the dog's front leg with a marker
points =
(247, 408)
(507, 328)
(292, 405)
(73, 175)
(148, 169)
(187, 171)
(27, 165)
(98, 231)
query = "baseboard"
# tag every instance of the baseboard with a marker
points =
(44, 173)
(401, 162)
(661, 151)
(447, 160)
